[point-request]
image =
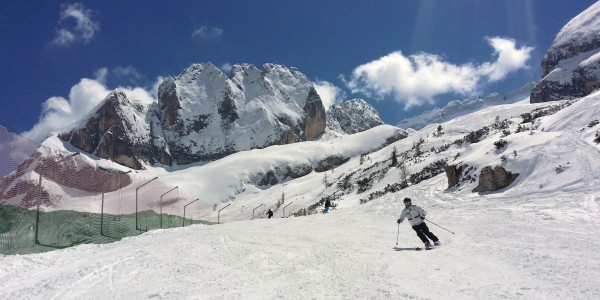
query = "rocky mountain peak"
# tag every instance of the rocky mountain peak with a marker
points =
(580, 35)
(202, 114)
(571, 67)
(115, 129)
(352, 116)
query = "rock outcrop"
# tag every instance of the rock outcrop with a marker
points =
(494, 179)
(453, 173)
(460, 174)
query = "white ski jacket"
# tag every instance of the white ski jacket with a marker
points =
(413, 213)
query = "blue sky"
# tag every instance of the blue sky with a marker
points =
(59, 59)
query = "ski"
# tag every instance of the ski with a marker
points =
(407, 249)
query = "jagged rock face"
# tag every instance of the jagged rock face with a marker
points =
(352, 116)
(116, 130)
(453, 173)
(571, 67)
(460, 174)
(494, 179)
(203, 115)
(314, 123)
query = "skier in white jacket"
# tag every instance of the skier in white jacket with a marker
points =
(416, 217)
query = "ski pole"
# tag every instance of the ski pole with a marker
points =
(439, 226)
(398, 234)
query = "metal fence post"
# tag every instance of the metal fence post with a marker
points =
(255, 209)
(37, 214)
(285, 207)
(120, 190)
(137, 226)
(161, 204)
(219, 213)
(102, 216)
(184, 210)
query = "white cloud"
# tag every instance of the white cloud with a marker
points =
(509, 58)
(416, 79)
(59, 112)
(207, 33)
(329, 93)
(83, 30)
(63, 37)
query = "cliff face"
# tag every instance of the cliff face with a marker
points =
(116, 129)
(202, 115)
(352, 116)
(571, 67)
(206, 115)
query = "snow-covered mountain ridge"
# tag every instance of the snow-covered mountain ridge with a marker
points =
(571, 67)
(202, 114)
(457, 108)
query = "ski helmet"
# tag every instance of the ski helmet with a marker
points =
(407, 200)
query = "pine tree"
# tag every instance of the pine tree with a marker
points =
(417, 147)
(394, 158)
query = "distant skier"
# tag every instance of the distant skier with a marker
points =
(269, 213)
(327, 206)
(416, 215)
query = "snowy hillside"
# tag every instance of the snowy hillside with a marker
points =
(457, 108)
(240, 175)
(536, 238)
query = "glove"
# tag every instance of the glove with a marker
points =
(422, 217)
(399, 221)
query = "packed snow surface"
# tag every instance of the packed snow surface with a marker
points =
(529, 245)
